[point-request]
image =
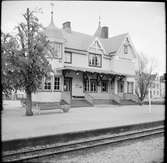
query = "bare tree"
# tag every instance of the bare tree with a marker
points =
(144, 76)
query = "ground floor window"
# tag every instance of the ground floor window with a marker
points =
(129, 87)
(86, 85)
(47, 84)
(93, 85)
(57, 83)
(104, 86)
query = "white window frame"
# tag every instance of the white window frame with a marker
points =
(47, 83)
(130, 87)
(66, 58)
(57, 84)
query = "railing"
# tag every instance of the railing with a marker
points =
(89, 98)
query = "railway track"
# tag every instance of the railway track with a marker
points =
(31, 153)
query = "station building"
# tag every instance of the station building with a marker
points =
(97, 68)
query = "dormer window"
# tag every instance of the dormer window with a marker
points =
(95, 60)
(55, 50)
(125, 49)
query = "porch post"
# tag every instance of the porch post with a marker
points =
(116, 86)
(134, 87)
(62, 83)
(52, 82)
(125, 85)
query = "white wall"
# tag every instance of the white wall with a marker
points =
(122, 66)
(81, 60)
(77, 83)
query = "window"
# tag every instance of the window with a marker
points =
(86, 85)
(57, 83)
(93, 86)
(55, 50)
(47, 85)
(94, 60)
(104, 86)
(68, 57)
(125, 49)
(120, 86)
(129, 87)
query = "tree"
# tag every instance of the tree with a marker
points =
(29, 64)
(144, 77)
(7, 43)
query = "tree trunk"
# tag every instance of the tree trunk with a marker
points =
(29, 104)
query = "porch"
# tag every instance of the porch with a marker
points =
(97, 86)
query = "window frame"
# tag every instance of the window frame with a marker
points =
(125, 49)
(53, 44)
(59, 84)
(46, 89)
(128, 88)
(86, 85)
(106, 82)
(70, 57)
(93, 80)
(93, 65)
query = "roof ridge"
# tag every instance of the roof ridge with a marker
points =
(119, 35)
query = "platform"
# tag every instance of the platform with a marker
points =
(16, 125)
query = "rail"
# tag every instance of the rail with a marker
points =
(125, 133)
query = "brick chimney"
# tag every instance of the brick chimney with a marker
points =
(104, 32)
(67, 26)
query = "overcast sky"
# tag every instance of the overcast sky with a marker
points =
(144, 21)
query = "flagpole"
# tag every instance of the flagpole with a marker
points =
(149, 100)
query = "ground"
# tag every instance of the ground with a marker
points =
(147, 150)
(16, 125)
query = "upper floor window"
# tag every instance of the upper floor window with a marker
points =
(68, 57)
(55, 50)
(95, 60)
(125, 49)
(47, 84)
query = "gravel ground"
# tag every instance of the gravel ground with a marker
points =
(147, 150)
(16, 125)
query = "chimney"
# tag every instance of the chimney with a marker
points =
(67, 26)
(104, 32)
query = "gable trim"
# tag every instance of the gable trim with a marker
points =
(131, 44)
(96, 39)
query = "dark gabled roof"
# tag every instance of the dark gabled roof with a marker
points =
(77, 40)
(112, 44)
(80, 41)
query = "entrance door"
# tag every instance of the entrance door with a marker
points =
(68, 85)
(120, 87)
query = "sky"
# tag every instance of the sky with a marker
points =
(144, 21)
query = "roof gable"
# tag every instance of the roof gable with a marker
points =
(96, 47)
(127, 41)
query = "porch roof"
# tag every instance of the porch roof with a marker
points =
(91, 70)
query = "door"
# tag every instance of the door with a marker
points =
(77, 86)
(68, 85)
